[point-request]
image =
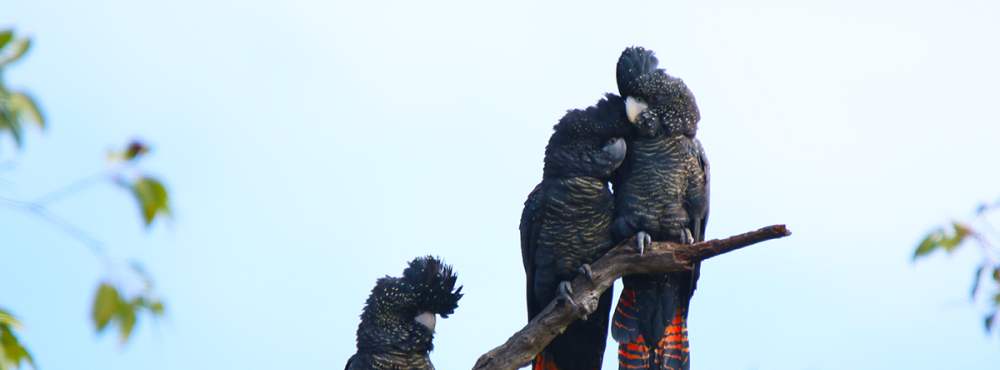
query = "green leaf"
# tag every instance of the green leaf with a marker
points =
(18, 47)
(941, 239)
(6, 318)
(12, 352)
(125, 314)
(931, 242)
(156, 307)
(953, 240)
(106, 303)
(988, 322)
(25, 106)
(996, 274)
(5, 37)
(9, 122)
(152, 197)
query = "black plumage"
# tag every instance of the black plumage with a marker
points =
(566, 223)
(661, 190)
(397, 325)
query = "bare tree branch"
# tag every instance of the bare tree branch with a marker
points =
(622, 260)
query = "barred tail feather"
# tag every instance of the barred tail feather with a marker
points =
(674, 348)
(634, 355)
(625, 324)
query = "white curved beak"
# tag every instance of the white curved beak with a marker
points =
(427, 319)
(633, 108)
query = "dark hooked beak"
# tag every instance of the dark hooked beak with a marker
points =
(615, 148)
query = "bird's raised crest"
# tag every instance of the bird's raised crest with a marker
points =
(634, 62)
(435, 283)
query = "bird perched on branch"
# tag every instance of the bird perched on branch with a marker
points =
(566, 224)
(661, 194)
(397, 325)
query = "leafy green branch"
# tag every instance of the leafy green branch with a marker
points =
(17, 108)
(978, 231)
(112, 305)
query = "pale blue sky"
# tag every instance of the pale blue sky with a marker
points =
(314, 146)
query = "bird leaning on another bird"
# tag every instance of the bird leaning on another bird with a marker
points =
(397, 325)
(566, 225)
(661, 194)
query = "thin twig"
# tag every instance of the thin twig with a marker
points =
(43, 213)
(622, 260)
(69, 189)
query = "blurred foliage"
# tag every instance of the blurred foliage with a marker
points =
(947, 239)
(150, 193)
(152, 198)
(12, 354)
(17, 108)
(978, 232)
(112, 305)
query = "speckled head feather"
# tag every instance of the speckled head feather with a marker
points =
(434, 282)
(584, 143)
(393, 333)
(670, 102)
(634, 62)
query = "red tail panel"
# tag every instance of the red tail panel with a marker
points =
(543, 363)
(625, 322)
(673, 348)
(634, 355)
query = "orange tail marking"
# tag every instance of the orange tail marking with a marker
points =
(634, 355)
(628, 298)
(675, 336)
(544, 363)
(673, 347)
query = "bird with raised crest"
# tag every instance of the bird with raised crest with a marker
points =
(397, 324)
(661, 194)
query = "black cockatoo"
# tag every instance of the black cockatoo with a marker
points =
(661, 194)
(397, 325)
(566, 225)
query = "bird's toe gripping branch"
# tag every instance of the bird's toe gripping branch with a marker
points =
(586, 271)
(686, 237)
(566, 294)
(642, 240)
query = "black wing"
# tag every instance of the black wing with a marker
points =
(698, 209)
(350, 362)
(698, 203)
(530, 223)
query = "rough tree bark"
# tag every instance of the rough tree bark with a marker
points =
(619, 261)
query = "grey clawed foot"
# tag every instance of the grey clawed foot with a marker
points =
(586, 271)
(642, 240)
(566, 293)
(686, 237)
